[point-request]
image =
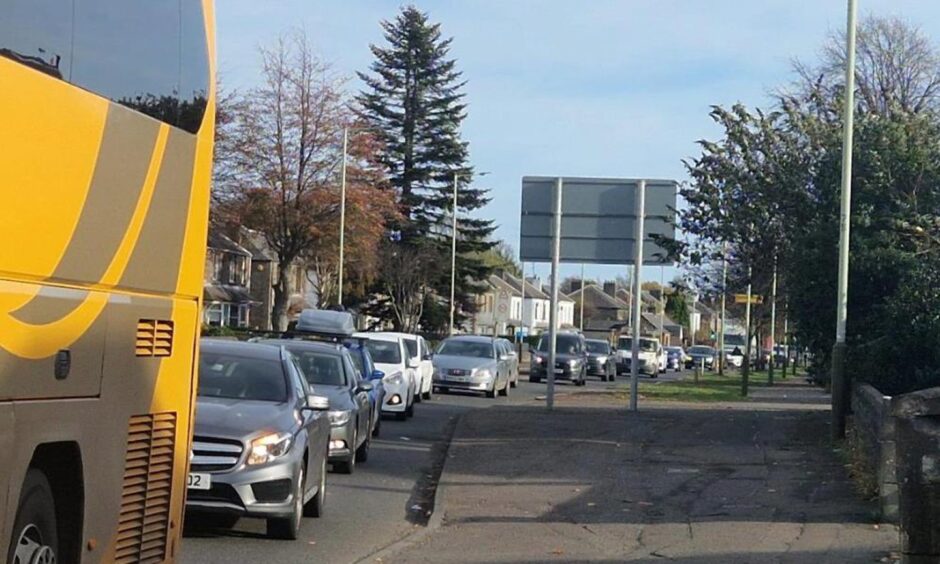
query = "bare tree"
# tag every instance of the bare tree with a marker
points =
(405, 283)
(278, 156)
(897, 67)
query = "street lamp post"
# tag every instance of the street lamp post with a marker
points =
(840, 387)
(342, 217)
(453, 251)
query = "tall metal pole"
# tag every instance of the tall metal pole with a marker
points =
(662, 305)
(342, 217)
(553, 307)
(637, 269)
(840, 385)
(746, 363)
(773, 325)
(692, 323)
(724, 292)
(786, 337)
(453, 257)
(522, 309)
(581, 315)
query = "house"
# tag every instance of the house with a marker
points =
(535, 307)
(264, 272)
(499, 308)
(227, 300)
(603, 312)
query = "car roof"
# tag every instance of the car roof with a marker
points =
(304, 345)
(388, 337)
(256, 350)
(395, 334)
(597, 341)
(472, 338)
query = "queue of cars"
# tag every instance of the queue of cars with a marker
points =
(273, 414)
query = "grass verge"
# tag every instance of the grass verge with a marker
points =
(711, 387)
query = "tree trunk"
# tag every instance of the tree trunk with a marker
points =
(282, 292)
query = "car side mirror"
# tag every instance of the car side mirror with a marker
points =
(428, 356)
(364, 386)
(318, 403)
(377, 375)
(414, 364)
(504, 357)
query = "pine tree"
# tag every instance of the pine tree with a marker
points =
(414, 102)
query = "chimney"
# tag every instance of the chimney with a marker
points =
(610, 288)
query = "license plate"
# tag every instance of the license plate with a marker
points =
(459, 378)
(199, 482)
(559, 371)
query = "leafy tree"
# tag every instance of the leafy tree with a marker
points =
(279, 153)
(414, 102)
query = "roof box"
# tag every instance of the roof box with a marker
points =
(326, 322)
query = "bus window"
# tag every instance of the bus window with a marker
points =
(38, 33)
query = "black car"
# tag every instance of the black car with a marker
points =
(570, 359)
(700, 355)
(600, 359)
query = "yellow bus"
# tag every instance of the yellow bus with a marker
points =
(106, 131)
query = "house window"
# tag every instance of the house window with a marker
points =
(238, 270)
(216, 266)
(213, 315)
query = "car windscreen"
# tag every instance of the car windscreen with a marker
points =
(597, 348)
(384, 352)
(564, 344)
(646, 345)
(321, 368)
(412, 347)
(734, 340)
(357, 360)
(472, 349)
(701, 350)
(230, 376)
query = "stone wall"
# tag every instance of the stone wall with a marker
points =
(875, 427)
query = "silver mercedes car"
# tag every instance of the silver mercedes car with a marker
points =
(472, 363)
(261, 438)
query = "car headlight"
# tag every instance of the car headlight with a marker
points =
(573, 362)
(482, 374)
(602, 360)
(394, 379)
(339, 417)
(538, 359)
(267, 448)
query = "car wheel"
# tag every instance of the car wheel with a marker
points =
(514, 382)
(534, 380)
(35, 537)
(427, 395)
(417, 396)
(288, 528)
(410, 412)
(378, 427)
(505, 391)
(362, 453)
(317, 504)
(492, 393)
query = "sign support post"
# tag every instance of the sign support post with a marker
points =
(637, 269)
(553, 311)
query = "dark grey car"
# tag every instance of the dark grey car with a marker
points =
(570, 359)
(600, 359)
(330, 371)
(261, 438)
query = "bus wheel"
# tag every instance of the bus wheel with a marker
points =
(35, 539)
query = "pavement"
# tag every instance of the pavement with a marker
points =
(743, 482)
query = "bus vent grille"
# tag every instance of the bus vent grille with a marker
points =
(148, 487)
(154, 337)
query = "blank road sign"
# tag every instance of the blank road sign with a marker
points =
(598, 219)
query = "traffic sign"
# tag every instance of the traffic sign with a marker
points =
(598, 219)
(742, 299)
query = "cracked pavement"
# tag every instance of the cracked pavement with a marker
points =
(719, 483)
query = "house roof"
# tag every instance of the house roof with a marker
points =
(255, 243)
(704, 309)
(498, 283)
(531, 291)
(598, 298)
(227, 294)
(221, 242)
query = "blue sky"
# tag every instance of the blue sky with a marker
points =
(576, 88)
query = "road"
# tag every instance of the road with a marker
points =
(381, 503)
